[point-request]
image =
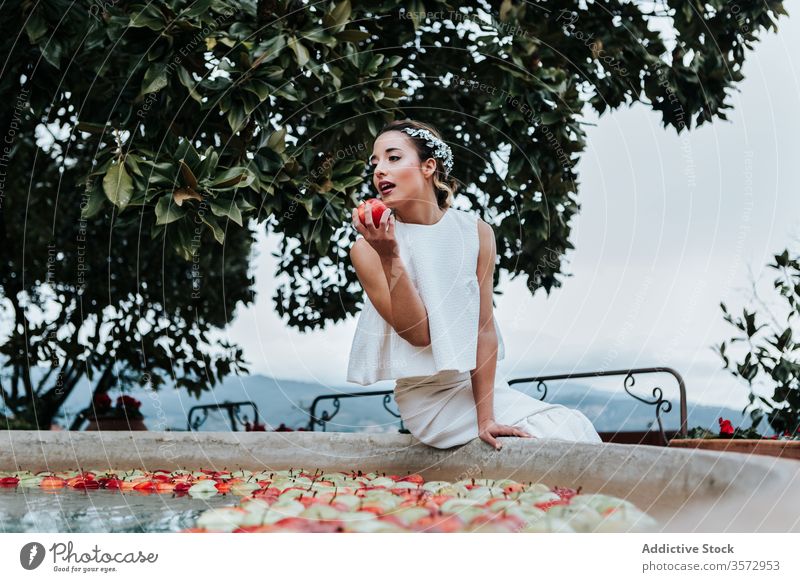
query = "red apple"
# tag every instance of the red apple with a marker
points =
(376, 509)
(438, 524)
(508, 522)
(378, 208)
(225, 486)
(393, 519)
(268, 492)
(415, 478)
(296, 524)
(52, 483)
(565, 492)
(545, 505)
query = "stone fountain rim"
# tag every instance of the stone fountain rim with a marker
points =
(699, 490)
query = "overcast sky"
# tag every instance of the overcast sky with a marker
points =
(668, 228)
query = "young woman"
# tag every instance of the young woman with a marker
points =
(427, 272)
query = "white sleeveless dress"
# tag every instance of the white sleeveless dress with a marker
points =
(433, 387)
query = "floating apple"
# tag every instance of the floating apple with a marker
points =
(374, 526)
(203, 489)
(53, 483)
(244, 488)
(357, 501)
(439, 524)
(495, 522)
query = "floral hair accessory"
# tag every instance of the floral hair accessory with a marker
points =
(440, 149)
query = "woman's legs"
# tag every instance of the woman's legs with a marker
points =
(541, 419)
(560, 423)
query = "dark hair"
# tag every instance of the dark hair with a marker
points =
(444, 186)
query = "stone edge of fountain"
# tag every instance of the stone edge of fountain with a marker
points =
(687, 490)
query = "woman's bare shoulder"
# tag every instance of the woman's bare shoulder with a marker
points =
(485, 231)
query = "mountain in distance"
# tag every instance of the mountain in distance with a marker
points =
(287, 401)
(278, 401)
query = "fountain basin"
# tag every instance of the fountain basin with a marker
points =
(685, 490)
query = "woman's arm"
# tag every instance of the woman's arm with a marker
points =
(386, 281)
(483, 375)
(408, 311)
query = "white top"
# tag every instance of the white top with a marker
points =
(442, 261)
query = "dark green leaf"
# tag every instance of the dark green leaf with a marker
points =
(352, 35)
(232, 177)
(155, 79)
(35, 27)
(212, 223)
(188, 177)
(228, 209)
(167, 211)
(118, 186)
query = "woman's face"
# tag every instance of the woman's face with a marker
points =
(398, 174)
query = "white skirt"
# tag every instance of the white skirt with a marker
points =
(439, 410)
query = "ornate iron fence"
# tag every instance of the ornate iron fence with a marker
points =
(323, 418)
(629, 380)
(199, 414)
(658, 401)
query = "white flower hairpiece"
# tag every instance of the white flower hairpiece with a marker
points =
(440, 149)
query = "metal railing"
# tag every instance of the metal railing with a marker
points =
(199, 414)
(322, 419)
(660, 403)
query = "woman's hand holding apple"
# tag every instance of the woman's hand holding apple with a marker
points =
(380, 236)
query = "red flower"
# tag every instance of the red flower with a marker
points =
(256, 426)
(725, 427)
(128, 402)
(283, 428)
(101, 401)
